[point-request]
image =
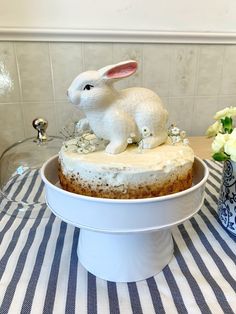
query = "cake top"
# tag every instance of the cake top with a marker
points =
(164, 157)
(119, 115)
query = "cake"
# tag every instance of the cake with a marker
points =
(132, 174)
(137, 160)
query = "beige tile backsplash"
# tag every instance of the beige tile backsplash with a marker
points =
(210, 69)
(157, 59)
(66, 61)
(35, 73)
(184, 69)
(9, 83)
(193, 80)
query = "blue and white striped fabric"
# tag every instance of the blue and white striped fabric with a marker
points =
(40, 272)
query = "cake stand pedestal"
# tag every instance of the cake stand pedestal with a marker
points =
(125, 257)
(124, 240)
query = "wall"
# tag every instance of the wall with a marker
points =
(193, 80)
(116, 21)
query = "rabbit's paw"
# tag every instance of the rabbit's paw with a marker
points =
(115, 147)
(83, 125)
(152, 141)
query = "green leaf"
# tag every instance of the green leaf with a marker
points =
(227, 123)
(220, 156)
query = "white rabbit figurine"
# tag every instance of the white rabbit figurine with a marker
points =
(118, 115)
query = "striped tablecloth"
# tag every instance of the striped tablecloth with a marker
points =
(40, 271)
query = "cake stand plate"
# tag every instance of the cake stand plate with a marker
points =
(124, 240)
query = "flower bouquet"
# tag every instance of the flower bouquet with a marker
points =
(224, 133)
(224, 149)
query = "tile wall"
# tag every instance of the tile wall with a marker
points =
(194, 81)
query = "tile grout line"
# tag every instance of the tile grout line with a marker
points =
(171, 72)
(196, 80)
(221, 78)
(53, 86)
(20, 87)
(171, 56)
(169, 97)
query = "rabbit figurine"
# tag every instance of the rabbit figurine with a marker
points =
(118, 115)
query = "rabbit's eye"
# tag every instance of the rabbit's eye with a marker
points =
(88, 87)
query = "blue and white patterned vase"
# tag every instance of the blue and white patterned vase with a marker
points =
(227, 199)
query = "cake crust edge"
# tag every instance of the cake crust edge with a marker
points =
(174, 183)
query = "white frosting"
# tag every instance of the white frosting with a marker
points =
(129, 167)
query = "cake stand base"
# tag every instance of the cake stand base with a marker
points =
(125, 257)
(124, 240)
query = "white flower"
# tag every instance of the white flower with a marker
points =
(90, 137)
(73, 141)
(131, 138)
(232, 135)
(145, 131)
(83, 145)
(226, 112)
(176, 139)
(230, 148)
(175, 131)
(232, 111)
(214, 129)
(219, 142)
(79, 150)
(225, 135)
(91, 148)
(185, 141)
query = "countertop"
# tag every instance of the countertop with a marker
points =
(201, 146)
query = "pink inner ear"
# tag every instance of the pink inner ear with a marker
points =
(122, 70)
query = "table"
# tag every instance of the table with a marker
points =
(40, 271)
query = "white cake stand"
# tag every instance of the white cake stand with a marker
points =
(124, 240)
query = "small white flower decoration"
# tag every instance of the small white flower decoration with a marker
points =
(176, 135)
(84, 144)
(145, 131)
(175, 131)
(176, 139)
(131, 138)
(80, 150)
(185, 141)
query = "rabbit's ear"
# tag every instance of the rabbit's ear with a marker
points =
(119, 70)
